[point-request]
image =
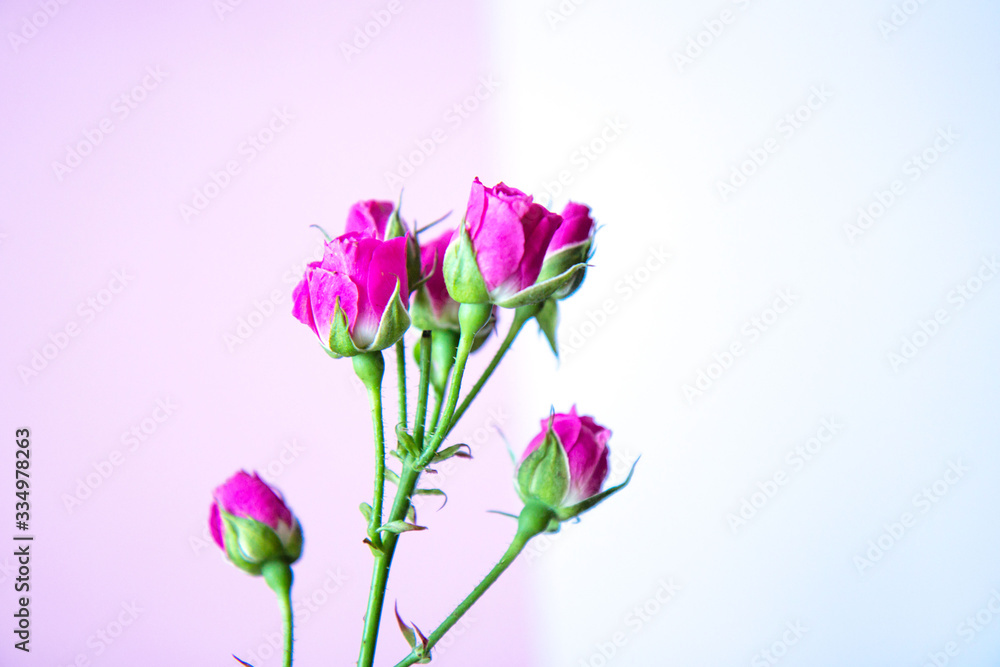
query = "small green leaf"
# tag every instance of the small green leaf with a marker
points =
(400, 527)
(433, 492)
(366, 511)
(375, 549)
(408, 634)
(454, 450)
(405, 440)
(391, 476)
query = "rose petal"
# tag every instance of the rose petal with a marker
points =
(369, 218)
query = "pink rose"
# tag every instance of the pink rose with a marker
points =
(577, 227)
(497, 256)
(369, 218)
(570, 246)
(562, 481)
(433, 308)
(364, 280)
(252, 524)
(510, 234)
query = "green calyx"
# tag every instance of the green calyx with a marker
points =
(397, 228)
(548, 320)
(251, 544)
(465, 283)
(562, 261)
(461, 271)
(543, 289)
(543, 477)
(564, 513)
(536, 518)
(423, 315)
(394, 323)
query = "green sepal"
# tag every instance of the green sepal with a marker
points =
(249, 543)
(423, 317)
(484, 331)
(397, 228)
(400, 526)
(548, 320)
(293, 550)
(394, 323)
(561, 261)
(584, 505)
(544, 476)
(541, 291)
(461, 271)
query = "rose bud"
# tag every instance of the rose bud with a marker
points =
(252, 524)
(433, 308)
(355, 298)
(381, 220)
(369, 218)
(497, 255)
(570, 245)
(565, 466)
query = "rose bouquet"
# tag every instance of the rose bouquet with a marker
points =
(377, 280)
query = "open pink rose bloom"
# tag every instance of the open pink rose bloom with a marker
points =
(359, 273)
(510, 234)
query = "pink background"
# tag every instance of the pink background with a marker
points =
(140, 535)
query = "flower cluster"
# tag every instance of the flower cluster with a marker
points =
(509, 251)
(376, 280)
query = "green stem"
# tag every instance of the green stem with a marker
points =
(533, 520)
(425, 377)
(438, 405)
(370, 368)
(380, 575)
(278, 576)
(471, 318)
(401, 379)
(400, 505)
(521, 317)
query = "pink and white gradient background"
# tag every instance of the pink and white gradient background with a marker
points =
(140, 537)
